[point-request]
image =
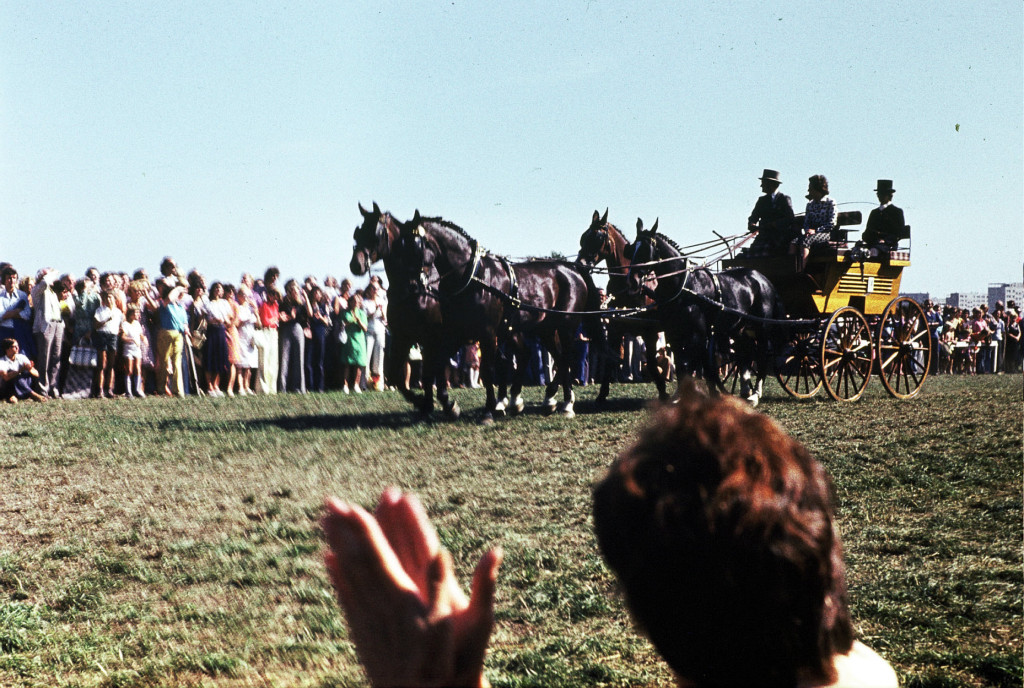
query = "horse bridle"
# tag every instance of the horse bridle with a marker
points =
(606, 238)
(687, 271)
(648, 239)
(379, 235)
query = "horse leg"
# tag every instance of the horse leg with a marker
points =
(516, 368)
(651, 344)
(746, 357)
(501, 375)
(450, 408)
(488, 354)
(762, 352)
(565, 373)
(431, 379)
(401, 349)
(551, 346)
(612, 361)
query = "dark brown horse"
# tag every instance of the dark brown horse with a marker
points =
(604, 242)
(694, 303)
(484, 297)
(413, 319)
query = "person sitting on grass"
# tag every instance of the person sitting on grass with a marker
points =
(17, 374)
(718, 525)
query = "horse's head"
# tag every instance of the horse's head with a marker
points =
(595, 243)
(412, 270)
(371, 239)
(644, 252)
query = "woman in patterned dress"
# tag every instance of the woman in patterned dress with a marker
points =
(245, 320)
(819, 221)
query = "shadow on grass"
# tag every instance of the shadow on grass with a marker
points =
(298, 423)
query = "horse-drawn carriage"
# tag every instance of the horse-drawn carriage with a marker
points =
(831, 327)
(847, 322)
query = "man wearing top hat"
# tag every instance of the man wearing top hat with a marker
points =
(885, 225)
(772, 218)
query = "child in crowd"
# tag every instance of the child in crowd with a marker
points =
(106, 327)
(133, 340)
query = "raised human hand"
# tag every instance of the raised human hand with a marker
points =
(410, 621)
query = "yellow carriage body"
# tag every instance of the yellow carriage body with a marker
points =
(834, 280)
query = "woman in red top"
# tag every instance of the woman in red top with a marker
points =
(266, 382)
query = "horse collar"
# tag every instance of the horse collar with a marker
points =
(714, 280)
(513, 283)
(474, 263)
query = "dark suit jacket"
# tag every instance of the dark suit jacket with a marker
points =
(885, 226)
(773, 217)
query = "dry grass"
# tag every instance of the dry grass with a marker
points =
(170, 543)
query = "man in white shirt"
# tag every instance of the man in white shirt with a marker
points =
(48, 331)
(13, 302)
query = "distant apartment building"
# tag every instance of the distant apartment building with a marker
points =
(1005, 292)
(967, 299)
(920, 297)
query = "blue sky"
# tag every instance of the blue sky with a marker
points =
(236, 135)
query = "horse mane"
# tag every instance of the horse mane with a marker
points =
(610, 227)
(671, 243)
(447, 224)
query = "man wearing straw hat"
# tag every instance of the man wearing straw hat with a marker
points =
(885, 225)
(771, 219)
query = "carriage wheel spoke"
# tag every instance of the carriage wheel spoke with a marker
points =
(888, 360)
(917, 337)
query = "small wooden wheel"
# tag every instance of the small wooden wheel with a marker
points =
(846, 354)
(904, 346)
(797, 366)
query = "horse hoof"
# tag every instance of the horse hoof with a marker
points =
(549, 409)
(453, 412)
(569, 413)
(519, 405)
(487, 420)
(753, 400)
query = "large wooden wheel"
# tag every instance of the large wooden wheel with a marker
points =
(797, 365)
(904, 347)
(846, 354)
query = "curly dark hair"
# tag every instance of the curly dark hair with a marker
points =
(819, 182)
(720, 529)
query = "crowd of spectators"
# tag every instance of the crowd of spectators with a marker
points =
(976, 341)
(114, 334)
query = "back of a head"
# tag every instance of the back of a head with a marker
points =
(720, 529)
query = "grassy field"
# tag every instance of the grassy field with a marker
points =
(176, 543)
